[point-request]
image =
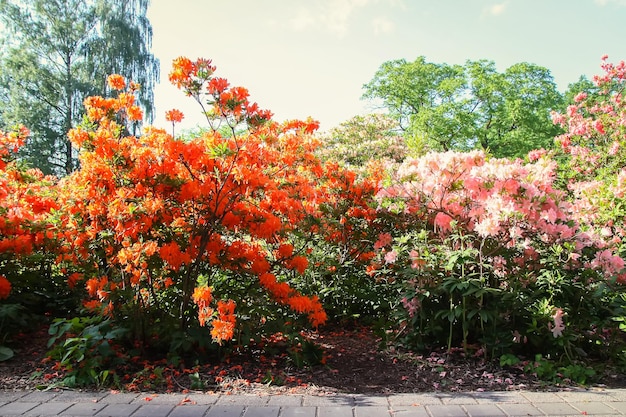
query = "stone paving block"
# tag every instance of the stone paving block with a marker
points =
(8, 396)
(500, 397)
(618, 394)
(285, 400)
(511, 409)
(541, 397)
(374, 411)
(117, 410)
(150, 398)
(203, 399)
(242, 400)
(84, 409)
(48, 409)
(16, 408)
(78, 396)
(593, 408)
(298, 412)
(458, 398)
(257, 411)
(585, 396)
(119, 398)
(323, 401)
(414, 399)
(618, 406)
(154, 410)
(371, 400)
(225, 411)
(418, 411)
(448, 410)
(484, 410)
(39, 396)
(557, 409)
(189, 411)
(335, 411)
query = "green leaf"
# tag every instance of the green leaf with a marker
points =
(6, 353)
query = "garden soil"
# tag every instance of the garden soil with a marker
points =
(354, 363)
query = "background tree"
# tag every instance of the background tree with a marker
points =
(363, 138)
(453, 107)
(57, 53)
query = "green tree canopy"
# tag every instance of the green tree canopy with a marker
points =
(462, 107)
(58, 52)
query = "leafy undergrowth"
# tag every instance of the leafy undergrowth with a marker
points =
(351, 362)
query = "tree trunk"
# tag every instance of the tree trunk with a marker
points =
(69, 165)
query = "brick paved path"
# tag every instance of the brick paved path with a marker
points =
(474, 404)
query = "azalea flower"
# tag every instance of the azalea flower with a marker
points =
(391, 256)
(558, 327)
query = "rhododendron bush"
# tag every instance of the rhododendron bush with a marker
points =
(26, 199)
(168, 232)
(592, 152)
(488, 252)
(512, 256)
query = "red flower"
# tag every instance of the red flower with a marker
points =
(5, 287)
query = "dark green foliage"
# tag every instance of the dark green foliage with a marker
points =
(58, 52)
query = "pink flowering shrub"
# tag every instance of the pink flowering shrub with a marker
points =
(592, 153)
(491, 253)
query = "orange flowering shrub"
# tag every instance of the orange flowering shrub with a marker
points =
(26, 199)
(152, 220)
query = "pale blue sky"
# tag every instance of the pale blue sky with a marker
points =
(303, 58)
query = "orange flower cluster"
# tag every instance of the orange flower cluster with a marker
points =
(116, 82)
(160, 211)
(202, 296)
(5, 287)
(184, 71)
(174, 116)
(224, 325)
(10, 142)
(26, 200)
(284, 294)
(196, 79)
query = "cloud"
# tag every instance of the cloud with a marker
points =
(302, 20)
(605, 2)
(382, 25)
(334, 16)
(496, 9)
(338, 14)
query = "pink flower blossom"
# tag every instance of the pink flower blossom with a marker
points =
(384, 239)
(609, 263)
(411, 306)
(416, 260)
(488, 227)
(443, 221)
(391, 256)
(536, 154)
(558, 327)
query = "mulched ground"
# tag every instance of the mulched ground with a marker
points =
(353, 364)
